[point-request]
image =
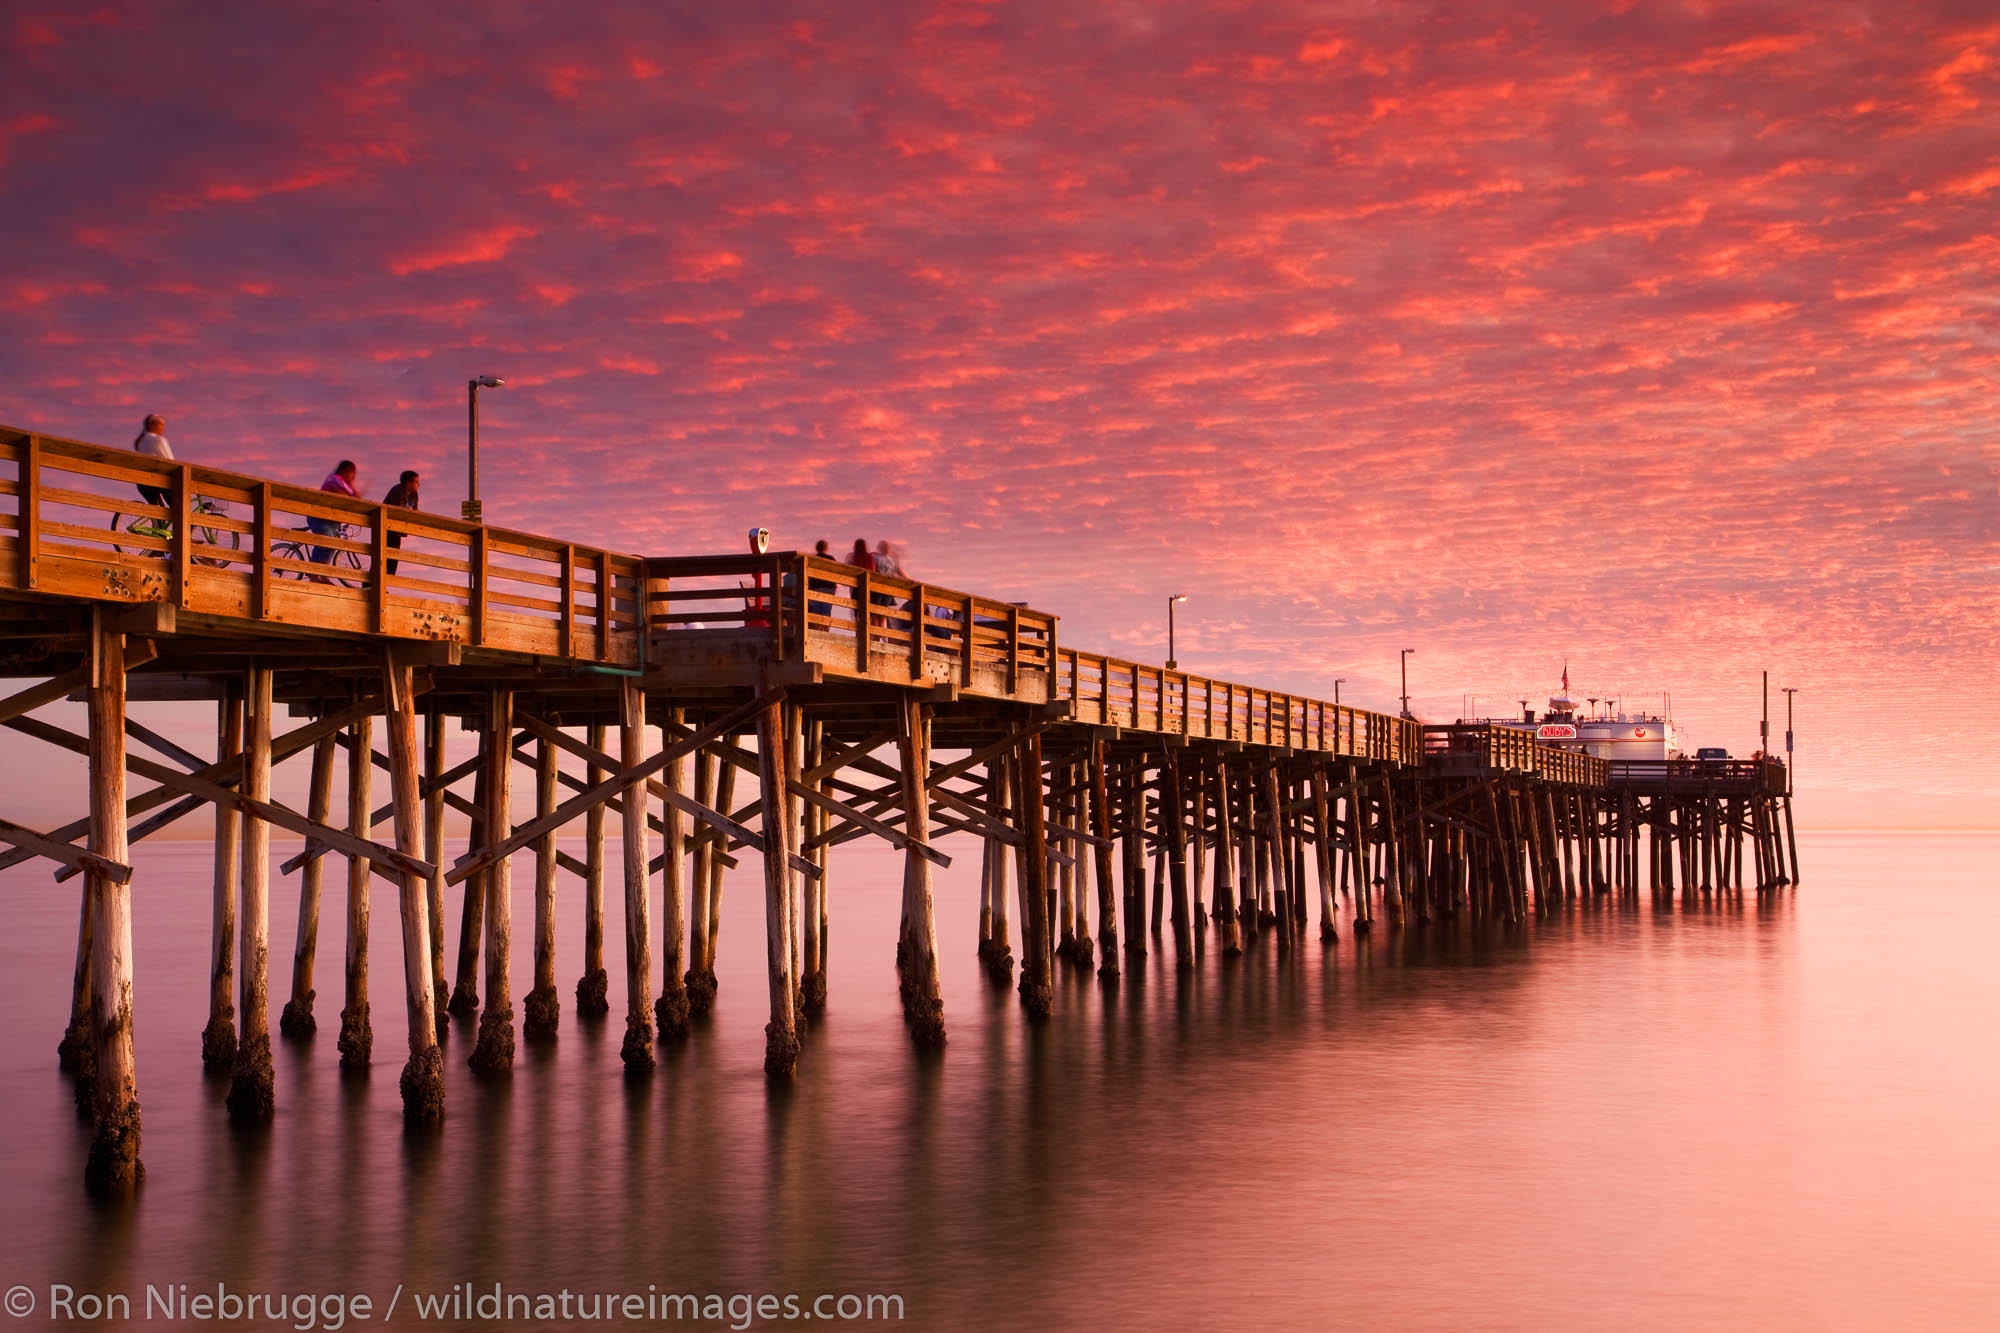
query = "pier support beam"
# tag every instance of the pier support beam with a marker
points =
(1173, 811)
(357, 1036)
(637, 1050)
(1037, 992)
(251, 1096)
(422, 1081)
(781, 1038)
(701, 970)
(923, 1002)
(434, 852)
(1225, 863)
(671, 1010)
(218, 1039)
(1101, 853)
(465, 995)
(593, 988)
(541, 1012)
(297, 1020)
(812, 985)
(113, 1166)
(493, 1053)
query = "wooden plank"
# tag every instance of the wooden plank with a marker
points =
(378, 566)
(41, 844)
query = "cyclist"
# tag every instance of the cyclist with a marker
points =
(340, 481)
(151, 441)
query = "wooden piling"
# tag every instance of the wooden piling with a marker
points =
(593, 988)
(1323, 847)
(218, 1039)
(541, 1011)
(422, 1081)
(1225, 864)
(297, 1020)
(1037, 991)
(923, 1002)
(1133, 857)
(637, 1048)
(493, 1052)
(251, 1095)
(1101, 860)
(472, 916)
(1173, 811)
(433, 844)
(725, 798)
(1000, 947)
(812, 982)
(1278, 857)
(781, 1041)
(113, 1166)
(357, 1036)
(700, 977)
(670, 1011)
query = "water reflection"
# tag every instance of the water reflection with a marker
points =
(1593, 1113)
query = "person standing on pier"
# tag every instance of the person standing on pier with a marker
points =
(403, 495)
(340, 481)
(153, 442)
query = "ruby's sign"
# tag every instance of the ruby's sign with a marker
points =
(1555, 731)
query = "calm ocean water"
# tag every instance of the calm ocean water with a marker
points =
(1776, 1115)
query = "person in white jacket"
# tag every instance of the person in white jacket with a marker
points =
(152, 440)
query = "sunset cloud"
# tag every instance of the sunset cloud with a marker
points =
(1660, 338)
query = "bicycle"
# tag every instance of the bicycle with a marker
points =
(302, 551)
(159, 529)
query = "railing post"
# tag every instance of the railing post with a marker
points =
(565, 630)
(178, 555)
(861, 646)
(378, 563)
(260, 553)
(477, 602)
(917, 632)
(1013, 649)
(643, 614)
(965, 644)
(30, 512)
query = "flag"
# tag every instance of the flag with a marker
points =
(1565, 680)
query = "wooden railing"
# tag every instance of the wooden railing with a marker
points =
(1766, 776)
(229, 545)
(1112, 692)
(1481, 746)
(850, 621)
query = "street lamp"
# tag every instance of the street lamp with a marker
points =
(470, 509)
(1406, 682)
(1177, 597)
(1338, 681)
(1789, 690)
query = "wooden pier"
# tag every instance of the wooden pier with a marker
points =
(852, 705)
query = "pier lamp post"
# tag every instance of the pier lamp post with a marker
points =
(1338, 681)
(1789, 690)
(1406, 682)
(470, 509)
(1177, 597)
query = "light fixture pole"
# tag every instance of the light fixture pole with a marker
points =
(1338, 681)
(1177, 597)
(470, 509)
(1764, 726)
(1790, 690)
(1406, 681)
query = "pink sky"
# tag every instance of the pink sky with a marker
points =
(1661, 339)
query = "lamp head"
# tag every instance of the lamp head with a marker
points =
(487, 382)
(1180, 597)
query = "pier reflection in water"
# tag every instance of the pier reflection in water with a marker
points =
(1759, 1113)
